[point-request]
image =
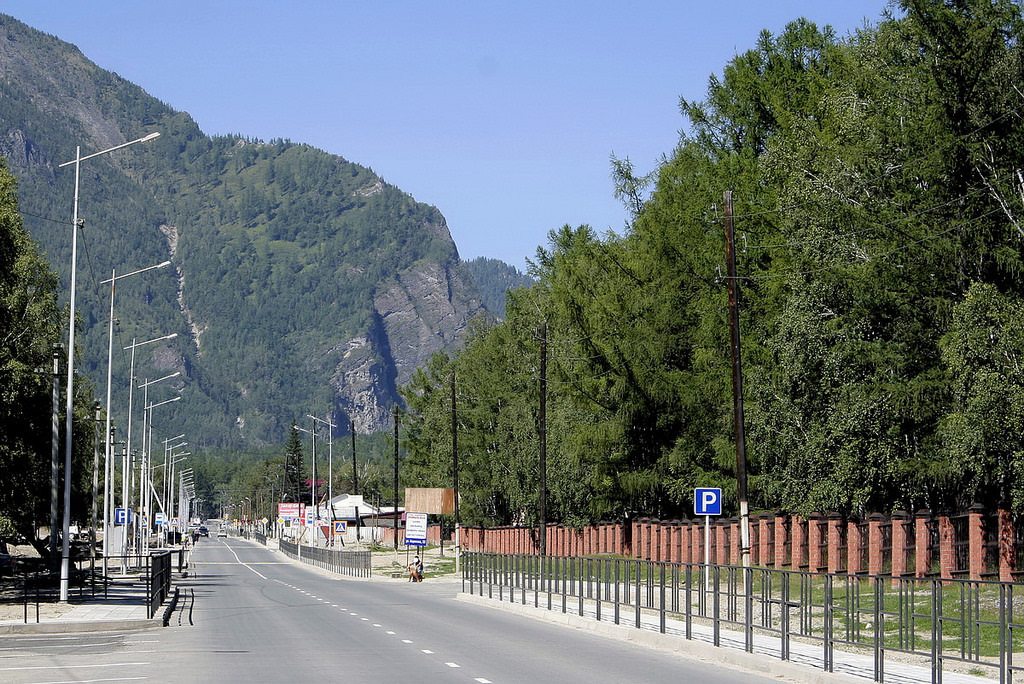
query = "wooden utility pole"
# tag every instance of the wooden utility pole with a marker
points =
(397, 411)
(737, 383)
(542, 429)
(355, 472)
(455, 472)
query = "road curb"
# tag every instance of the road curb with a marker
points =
(57, 627)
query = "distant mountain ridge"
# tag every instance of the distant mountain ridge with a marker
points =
(302, 283)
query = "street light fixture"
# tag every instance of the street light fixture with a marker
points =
(108, 463)
(65, 573)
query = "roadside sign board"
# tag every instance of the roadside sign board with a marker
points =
(122, 516)
(707, 501)
(340, 527)
(175, 522)
(289, 510)
(415, 529)
(159, 518)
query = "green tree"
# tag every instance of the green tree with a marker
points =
(294, 473)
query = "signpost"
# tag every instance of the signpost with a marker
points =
(707, 501)
(415, 529)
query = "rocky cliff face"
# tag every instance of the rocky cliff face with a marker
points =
(425, 310)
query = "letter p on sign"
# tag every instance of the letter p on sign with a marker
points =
(707, 501)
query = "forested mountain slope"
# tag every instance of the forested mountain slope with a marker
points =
(301, 282)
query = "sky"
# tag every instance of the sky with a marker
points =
(502, 115)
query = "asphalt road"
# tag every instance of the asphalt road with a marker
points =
(257, 617)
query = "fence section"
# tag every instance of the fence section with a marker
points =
(975, 545)
(351, 563)
(932, 621)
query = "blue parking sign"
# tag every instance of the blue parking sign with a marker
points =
(122, 516)
(707, 501)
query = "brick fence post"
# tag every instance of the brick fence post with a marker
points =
(798, 545)
(854, 547)
(835, 521)
(898, 544)
(947, 559)
(1007, 540)
(975, 541)
(764, 551)
(780, 540)
(735, 537)
(922, 544)
(875, 521)
(814, 560)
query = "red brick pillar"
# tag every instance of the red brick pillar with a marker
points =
(735, 554)
(798, 532)
(834, 539)
(875, 560)
(697, 541)
(975, 541)
(854, 547)
(1007, 557)
(779, 555)
(677, 542)
(922, 544)
(814, 560)
(899, 537)
(659, 548)
(764, 538)
(718, 550)
(947, 560)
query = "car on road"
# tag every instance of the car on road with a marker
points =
(222, 532)
(204, 531)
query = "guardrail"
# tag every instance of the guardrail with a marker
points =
(351, 563)
(769, 611)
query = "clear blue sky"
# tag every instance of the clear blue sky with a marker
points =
(502, 114)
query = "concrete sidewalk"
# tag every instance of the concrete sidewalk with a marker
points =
(123, 606)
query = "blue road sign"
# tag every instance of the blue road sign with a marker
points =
(340, 527)
(121, 516)
(707, 501)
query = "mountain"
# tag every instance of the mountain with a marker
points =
(301, 283)
(494, 279)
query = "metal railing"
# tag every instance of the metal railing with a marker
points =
(771, 612)
(351, 563)
(159, 584)
(141, 578)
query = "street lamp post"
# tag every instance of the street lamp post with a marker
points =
(69, 406)
(108, 464)
(146, 483)
(126, 467)
(312, 481)
(330, 466)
